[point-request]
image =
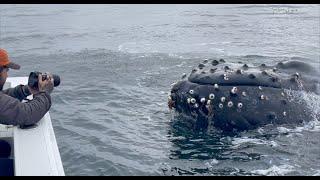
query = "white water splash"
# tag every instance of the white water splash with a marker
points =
(181, 64)
(275, 170)
(317, 173)
(212, 163)
(237, 142)
(312, 102)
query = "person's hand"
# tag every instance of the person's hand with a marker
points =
(47, 85)
(33, 91)
(43, 86)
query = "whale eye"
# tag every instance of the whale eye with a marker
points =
(194, 70)
(223, 99)
(193, 100)
(196, 105)
(220, 106)
(202, 100)
(260, 87)
(191, 91)
(205, 61)
(262, 97)
(244, 93)
(188, 100)
(211, 96)
(230, 104)
(222, 60)
(240, 105)
(284, 113)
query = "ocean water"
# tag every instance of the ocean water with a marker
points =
(117, 63)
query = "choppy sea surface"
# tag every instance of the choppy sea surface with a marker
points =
(117, 63)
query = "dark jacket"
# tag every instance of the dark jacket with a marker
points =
(14, 112)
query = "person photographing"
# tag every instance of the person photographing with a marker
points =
(12, 110)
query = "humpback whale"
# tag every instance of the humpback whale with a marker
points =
(237, 96)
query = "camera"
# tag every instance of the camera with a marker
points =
(33, 79)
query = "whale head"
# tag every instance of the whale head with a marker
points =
(239, 96)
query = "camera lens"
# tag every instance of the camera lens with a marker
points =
(33, 79)
(56, 80)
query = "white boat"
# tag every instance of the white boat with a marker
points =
(34, 150)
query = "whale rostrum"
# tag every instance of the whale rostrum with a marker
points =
(237, 96)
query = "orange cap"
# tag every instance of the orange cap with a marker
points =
(4, 60)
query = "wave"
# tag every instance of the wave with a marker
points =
(22, 37)
(202, 25)
(209, 15)
(221, 15)
(268, 6)
(279, 58)
(255, 56)
(272, 13)
(18, 15)
(71, 35)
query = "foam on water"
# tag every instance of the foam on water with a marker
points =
(312, 101)
(237, 142)
(317, 173)
(275, 170)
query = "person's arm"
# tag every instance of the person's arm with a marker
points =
(14, 112)
(19, 92)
